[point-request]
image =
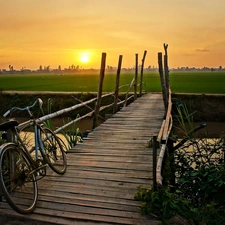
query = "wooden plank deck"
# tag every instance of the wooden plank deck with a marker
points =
(104, 171)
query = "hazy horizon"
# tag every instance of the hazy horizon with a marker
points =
(58, 32)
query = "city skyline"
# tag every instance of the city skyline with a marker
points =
(73, 32)
(77, 68)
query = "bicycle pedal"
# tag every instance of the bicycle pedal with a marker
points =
(38, 163)
(41, 173)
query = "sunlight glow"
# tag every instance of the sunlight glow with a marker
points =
(85, 57)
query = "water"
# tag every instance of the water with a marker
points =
(213, 129)
(83, 125)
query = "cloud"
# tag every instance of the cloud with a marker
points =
(201, 50)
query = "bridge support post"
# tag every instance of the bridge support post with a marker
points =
(170, 145)
(136, 77)
(166, 69)
(154, 145)
(142, 70)
(162, 79)
(115, 107)
(100, 85)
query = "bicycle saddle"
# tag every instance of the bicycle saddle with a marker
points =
(8, 124)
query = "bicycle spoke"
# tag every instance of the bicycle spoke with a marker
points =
(17, 180)
(55, 155)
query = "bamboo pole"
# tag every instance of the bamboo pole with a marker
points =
(136, 76)
(167, 126)
(115, 106)
(162, 80)
(159, 177)
(21, 126)
(154, 162)
(166, 68)
(142, 69)
(126, 98)
(72, 122)
(100, 85)
(87, 106)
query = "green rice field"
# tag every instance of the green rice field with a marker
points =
(181, 82)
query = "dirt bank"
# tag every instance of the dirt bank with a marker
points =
(209, 107)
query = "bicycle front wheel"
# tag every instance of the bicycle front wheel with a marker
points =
(53, 151)
(17, 179)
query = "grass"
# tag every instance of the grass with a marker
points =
(69, 82)
(181, 82)
(198, 82)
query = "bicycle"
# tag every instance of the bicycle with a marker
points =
(20, 167)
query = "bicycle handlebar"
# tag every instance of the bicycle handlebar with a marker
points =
(23, 109)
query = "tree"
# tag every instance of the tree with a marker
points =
(10, 67)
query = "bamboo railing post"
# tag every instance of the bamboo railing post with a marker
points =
(126, 98)
(154, 145)
(136, 76)
(142, 69)
(115, 107)
(100, 85)
(165, 99)
(166, 68)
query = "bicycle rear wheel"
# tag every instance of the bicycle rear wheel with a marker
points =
(17, 179)
(53, 151)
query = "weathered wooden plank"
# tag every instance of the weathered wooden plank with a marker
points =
(61, 217)
(104, 171)
(77, 202)
(108, 151)
(91, 195)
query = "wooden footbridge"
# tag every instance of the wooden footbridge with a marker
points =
(104, 171)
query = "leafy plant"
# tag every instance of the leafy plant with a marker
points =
(163, 203)
(200, 170)
(185, 120)
(71, 134)
(48, 123)
(198, 191)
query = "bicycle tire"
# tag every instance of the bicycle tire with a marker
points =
(17, 179)
(53, 151)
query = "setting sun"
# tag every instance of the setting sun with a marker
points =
(85, 57)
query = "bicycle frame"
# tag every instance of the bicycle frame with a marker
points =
(47, 156)
(38, 144)
(23, 159)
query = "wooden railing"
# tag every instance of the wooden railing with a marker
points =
(163, 138)
(168, 120)
(95, 113)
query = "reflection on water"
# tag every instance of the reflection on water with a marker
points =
(29, 140)
(200, 152)
(83, 125)
(212, 129)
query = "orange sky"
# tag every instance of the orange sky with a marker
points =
(56, 32)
